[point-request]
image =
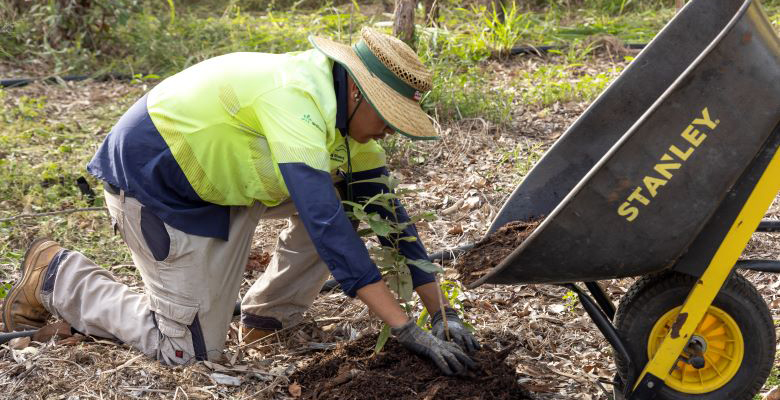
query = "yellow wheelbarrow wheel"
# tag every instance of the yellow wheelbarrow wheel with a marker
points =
(723, 348)
(730, 353)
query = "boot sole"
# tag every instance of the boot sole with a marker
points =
(8, 322)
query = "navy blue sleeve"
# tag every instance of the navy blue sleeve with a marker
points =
(411, 250)
(328, 226)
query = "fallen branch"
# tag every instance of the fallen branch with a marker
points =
(270, 387)
(46, 214)
(126, 364)
(342, 378)
(150, 390)
(62, 360)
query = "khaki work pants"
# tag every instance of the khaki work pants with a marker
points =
(190, 294)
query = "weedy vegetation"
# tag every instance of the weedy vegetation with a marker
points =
(45, 142)
(42, 153)
(4, 288)
(44, 149)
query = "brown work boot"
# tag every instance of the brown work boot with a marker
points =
(252, 336)
(255, 327)
(23, 307)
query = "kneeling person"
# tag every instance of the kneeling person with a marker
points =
(192, 167)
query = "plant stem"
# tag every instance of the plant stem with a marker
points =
(441, 305)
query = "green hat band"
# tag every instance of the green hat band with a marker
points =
(376, 67)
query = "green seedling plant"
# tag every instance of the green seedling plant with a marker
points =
(501, 34)
(140, 78)
(571, 300)
(393, 265)
(454, 293)
(5, 287)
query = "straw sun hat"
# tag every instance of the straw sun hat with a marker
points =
(389, 75)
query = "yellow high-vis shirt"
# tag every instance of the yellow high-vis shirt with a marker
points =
(230, 120)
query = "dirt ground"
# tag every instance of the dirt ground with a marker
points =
(546, 339)
(352, 371)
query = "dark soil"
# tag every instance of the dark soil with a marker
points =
(352, 371)
(490, 251)
(258, 260)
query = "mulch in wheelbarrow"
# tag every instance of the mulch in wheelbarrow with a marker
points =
(353, 371)
(493, 249)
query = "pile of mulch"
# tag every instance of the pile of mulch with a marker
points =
(493, 249)
(352, 371)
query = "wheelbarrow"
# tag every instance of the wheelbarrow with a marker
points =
(665, 177)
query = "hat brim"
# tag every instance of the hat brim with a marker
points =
(401, 113)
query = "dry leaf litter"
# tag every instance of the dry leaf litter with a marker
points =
(553, 346)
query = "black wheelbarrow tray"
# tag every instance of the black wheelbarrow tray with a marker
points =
(666, 176)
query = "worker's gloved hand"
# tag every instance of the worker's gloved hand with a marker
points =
(447, 356)
(458, 332)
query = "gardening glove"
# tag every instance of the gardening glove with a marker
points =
(447, 356)
(458, 332)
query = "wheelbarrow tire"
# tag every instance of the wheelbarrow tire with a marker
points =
(650, 300)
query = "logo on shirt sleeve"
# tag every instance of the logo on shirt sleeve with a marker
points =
(307, 118)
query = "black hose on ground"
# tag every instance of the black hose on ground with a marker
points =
(19, 82)
(539, 50)
(6, 337)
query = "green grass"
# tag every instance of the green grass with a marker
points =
(145, 38)
(43, 151)
(774, 377)
(140, 36)
(41, 158)
(42, 154)
(468, 93)
(522, 158)
(549, 84)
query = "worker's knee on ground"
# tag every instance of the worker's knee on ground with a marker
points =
(180, 333)
(182, 347)
(175, 351)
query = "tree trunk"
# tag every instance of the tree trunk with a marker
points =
(431, 12)
(679, 4)
(403, 25)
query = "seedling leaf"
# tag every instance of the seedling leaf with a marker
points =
(380, 227)
(383, 336)
(426, 266)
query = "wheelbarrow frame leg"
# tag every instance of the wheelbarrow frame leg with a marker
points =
(602, 299)
(651, 379)
(603, 322)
